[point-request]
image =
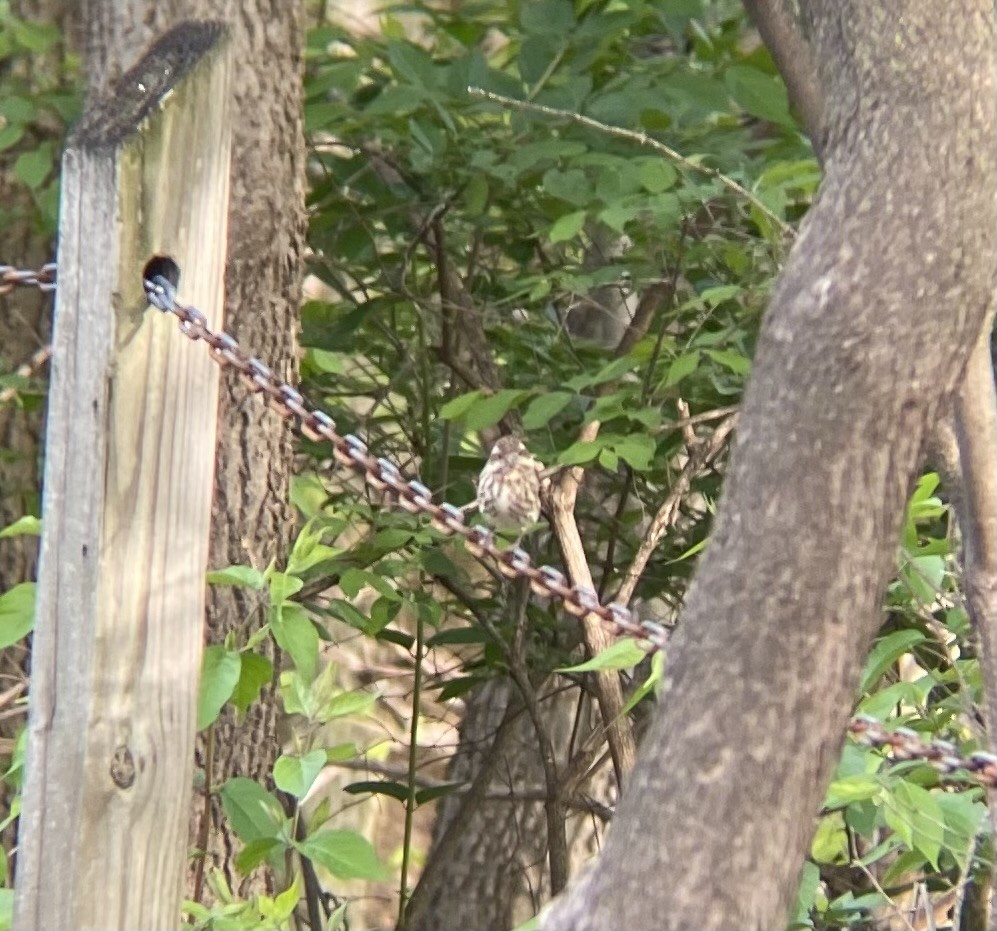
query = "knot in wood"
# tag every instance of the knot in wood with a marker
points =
(123, 767)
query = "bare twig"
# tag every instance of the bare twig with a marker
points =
(641, 139)
(699, 457)
(27, 370)
(564, 492)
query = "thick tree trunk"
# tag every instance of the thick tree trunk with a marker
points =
(881, 302)
(252, 518)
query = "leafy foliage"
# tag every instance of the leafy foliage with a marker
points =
(35, 108)
(475, 267)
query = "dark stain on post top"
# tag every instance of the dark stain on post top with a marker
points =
(116, 115)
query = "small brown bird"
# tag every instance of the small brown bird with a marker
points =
(509, 486)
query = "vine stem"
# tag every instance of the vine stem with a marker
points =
(642, 139)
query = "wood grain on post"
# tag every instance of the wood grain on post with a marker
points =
(128, 478)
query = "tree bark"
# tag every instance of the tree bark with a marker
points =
(884, 296)
(252, 516)
(488, 867)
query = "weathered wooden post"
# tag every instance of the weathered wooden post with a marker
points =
(128, 478)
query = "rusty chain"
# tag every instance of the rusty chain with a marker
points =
(42, 278)
(906, 744)
(384, 476)
(412, 496)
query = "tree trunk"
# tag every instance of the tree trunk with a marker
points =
(488, 866)
(26, 324)
(886, 292)
(252, 517)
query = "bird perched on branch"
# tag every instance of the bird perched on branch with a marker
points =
(509, 486)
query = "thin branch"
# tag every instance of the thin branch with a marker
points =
(563, 494)
(641, 139)
(597, 638)
(699, 458)
(705, 417)
(28, 370)
(975, 410)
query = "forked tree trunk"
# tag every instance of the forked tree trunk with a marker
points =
(252, 518)
(884, 296)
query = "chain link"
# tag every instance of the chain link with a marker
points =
(411, 495)
(42, 278)
(907, 744)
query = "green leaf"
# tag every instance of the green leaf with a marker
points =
(346, 612)
(580, 452)
(915, 815)
(806, 896)
(963, 820)
(10, 135)
(296, 774)
(571, 186)
(240, 576)
(17, 613)
(16, 109)
(567, 226)
(412, 64)
(855, 788)
(255, 671)
(6, 908)
(637, 450)
(432, 793)
(656, 175)
(830, 843)
(885, 653)
(393, 790)
(296, 635)
(684, 365)
(35, 166)
(34, 36)
(283, 586)
(650, 684)
(608, 460)
(715, 296)
(27, 526)
(490, 410)
(353, 580)
(624, 654)
(220, 670)
(255, 852)
(345, 854)
(762, 95)
(341, 752)
(542, 409)
(735, 361)
(547, 17)
(252, 811)
(347, 703)
(457, 407)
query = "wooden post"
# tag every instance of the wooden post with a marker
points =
(129, 463)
